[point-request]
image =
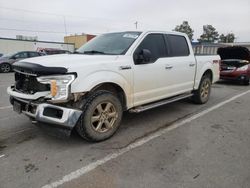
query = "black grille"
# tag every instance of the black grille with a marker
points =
(28, 84)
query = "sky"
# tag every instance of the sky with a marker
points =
(51, 20)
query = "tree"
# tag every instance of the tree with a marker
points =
(185, 28)
(229, 38)
(209, 34)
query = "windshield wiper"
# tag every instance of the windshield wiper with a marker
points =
(93, 52)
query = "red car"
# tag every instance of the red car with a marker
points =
(235, 64)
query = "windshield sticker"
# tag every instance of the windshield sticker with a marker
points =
(131, 36)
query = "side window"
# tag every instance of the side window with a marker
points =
(179, 45)
(33, 54)
(21, 55)
(155, 43)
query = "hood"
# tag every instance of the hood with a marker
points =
(4, 59)
(55, 64)
(235, 52)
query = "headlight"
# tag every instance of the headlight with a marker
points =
(244, 68)
(59, 85)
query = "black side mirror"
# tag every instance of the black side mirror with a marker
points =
(144, 56)
(13, 57)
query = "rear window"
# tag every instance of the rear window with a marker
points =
(179, 46)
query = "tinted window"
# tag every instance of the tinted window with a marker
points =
(179, 46)
(155, 43)
(21, 55)
(33, 54)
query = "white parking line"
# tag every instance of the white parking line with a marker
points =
(5, 107)
(85, 169)
(2, 156)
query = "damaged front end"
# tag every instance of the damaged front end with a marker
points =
(44, 98)
(235, 63)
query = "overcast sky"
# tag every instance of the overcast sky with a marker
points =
(45, 18)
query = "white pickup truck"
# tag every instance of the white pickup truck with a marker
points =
(114, 72)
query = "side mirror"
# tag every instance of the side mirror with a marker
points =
(13, 57)
(144, 56)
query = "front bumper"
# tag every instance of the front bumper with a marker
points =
(54, 115)
(234, 75)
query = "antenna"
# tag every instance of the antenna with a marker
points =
(65, 28)
(136, 23)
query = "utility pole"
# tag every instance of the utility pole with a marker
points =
(136, 23)
(65, 28)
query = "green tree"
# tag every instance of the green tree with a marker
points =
(229, 38)
(185, 28)
(209, 34)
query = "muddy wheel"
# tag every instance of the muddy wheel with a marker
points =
(202, 95)
(102, 114)
(5, 67)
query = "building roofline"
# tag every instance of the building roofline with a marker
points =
(1, 38)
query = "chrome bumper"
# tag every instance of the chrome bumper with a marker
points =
(53, 115)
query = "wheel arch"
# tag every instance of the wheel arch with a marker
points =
(113, 88)
(7, 64)
(206, 71)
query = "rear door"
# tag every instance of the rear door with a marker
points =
(182, 65)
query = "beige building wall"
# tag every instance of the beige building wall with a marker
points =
(78, 40)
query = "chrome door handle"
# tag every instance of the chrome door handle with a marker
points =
(125, 67)
(191, 64)
(168, 67)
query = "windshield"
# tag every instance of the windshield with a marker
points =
(110, 44)
(8, 55)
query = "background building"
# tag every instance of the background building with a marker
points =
(78, 40)
(8, 45)
(211, 48)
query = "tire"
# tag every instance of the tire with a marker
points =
(102, 114)
(202, 95)
(246, 82)
(5, 67)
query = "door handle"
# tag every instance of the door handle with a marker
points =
(125, 67)
(191, 64)
(168, 67)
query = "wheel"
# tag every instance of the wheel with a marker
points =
(246, 82)
(102, 114)
(201, 95)
(5, 67)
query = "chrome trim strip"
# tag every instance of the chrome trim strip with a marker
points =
(35, 96)
(26, 73)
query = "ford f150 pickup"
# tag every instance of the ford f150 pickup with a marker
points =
(114, 72)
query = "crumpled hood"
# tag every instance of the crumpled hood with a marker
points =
(70, 61)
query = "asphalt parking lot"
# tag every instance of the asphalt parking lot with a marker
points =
(176, 145)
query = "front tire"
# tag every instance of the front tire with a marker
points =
(246, 82)
(5, 67)
(102, 114)
(202, 95)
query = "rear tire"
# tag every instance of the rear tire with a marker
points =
(202, 94)
(5, 67)
(101, 117)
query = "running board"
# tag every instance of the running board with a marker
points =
(159, 103)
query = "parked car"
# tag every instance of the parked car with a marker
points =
(114, 72)
(7, 60)
(235, 64)
(52, 51)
